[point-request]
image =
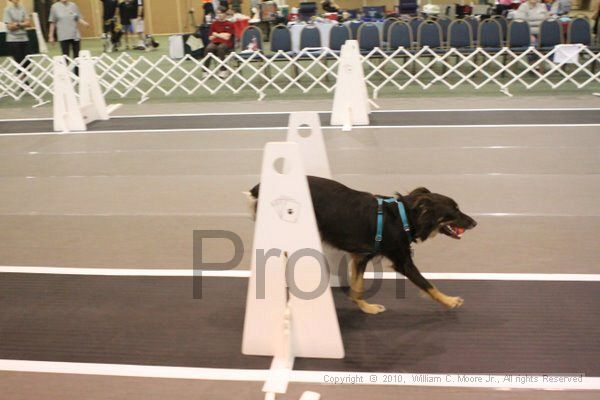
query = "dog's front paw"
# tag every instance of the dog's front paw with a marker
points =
(371, 308)
(453, 302)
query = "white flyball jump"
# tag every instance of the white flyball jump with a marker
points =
(311, 142)
(351, 104)
(316, 163)
(69, 113)
(290, 310)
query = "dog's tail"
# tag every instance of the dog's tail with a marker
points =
(252, 203)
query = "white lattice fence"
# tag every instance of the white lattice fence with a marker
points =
(310, 70)
(453, 68)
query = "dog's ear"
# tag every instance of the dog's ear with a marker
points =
(424, 204)
(424, 216)
(420, 190)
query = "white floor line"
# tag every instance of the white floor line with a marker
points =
(284, 128)
(145, 131)
(322, 112)
(25, 119)
(246, 273)
(258, 149)
(388, 148)
(249, 216)
(504, 381)
(345, 174)
(148, 214)
(490, 109)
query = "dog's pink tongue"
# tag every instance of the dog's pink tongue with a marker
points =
(459, 231)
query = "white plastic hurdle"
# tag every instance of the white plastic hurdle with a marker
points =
(69, 113)
(289, 310)
(351, 104)
(316, 163)
(311, 142)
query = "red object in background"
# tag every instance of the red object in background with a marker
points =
(565, 28)
(239, 26)
(331, 16)
(292, 17)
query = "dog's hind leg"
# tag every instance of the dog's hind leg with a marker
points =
(412, 273)
(357, 285)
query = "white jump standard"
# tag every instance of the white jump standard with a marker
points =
(69, 113)
(351, 104)
(289, 310)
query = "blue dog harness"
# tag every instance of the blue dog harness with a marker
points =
(401, 211)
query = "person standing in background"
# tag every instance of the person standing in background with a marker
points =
(128, 10)
(109, 11)
(138, 25)
(64, 19)
(16, 20)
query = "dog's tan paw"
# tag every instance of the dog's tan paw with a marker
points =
(371, 308)
(453, 302)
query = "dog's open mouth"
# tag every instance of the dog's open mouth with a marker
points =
(453, 231)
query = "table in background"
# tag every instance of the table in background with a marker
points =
(324, 30)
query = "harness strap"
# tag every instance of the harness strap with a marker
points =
(403, 217)
(379, 235)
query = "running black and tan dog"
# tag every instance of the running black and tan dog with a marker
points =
(348, 220)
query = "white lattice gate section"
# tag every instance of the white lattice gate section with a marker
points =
(311, 70)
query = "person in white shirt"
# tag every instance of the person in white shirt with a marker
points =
(534, 12)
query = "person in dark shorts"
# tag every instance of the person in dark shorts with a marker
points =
(110, 35)
(16, 20)
(128, 11)
(109, 10)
